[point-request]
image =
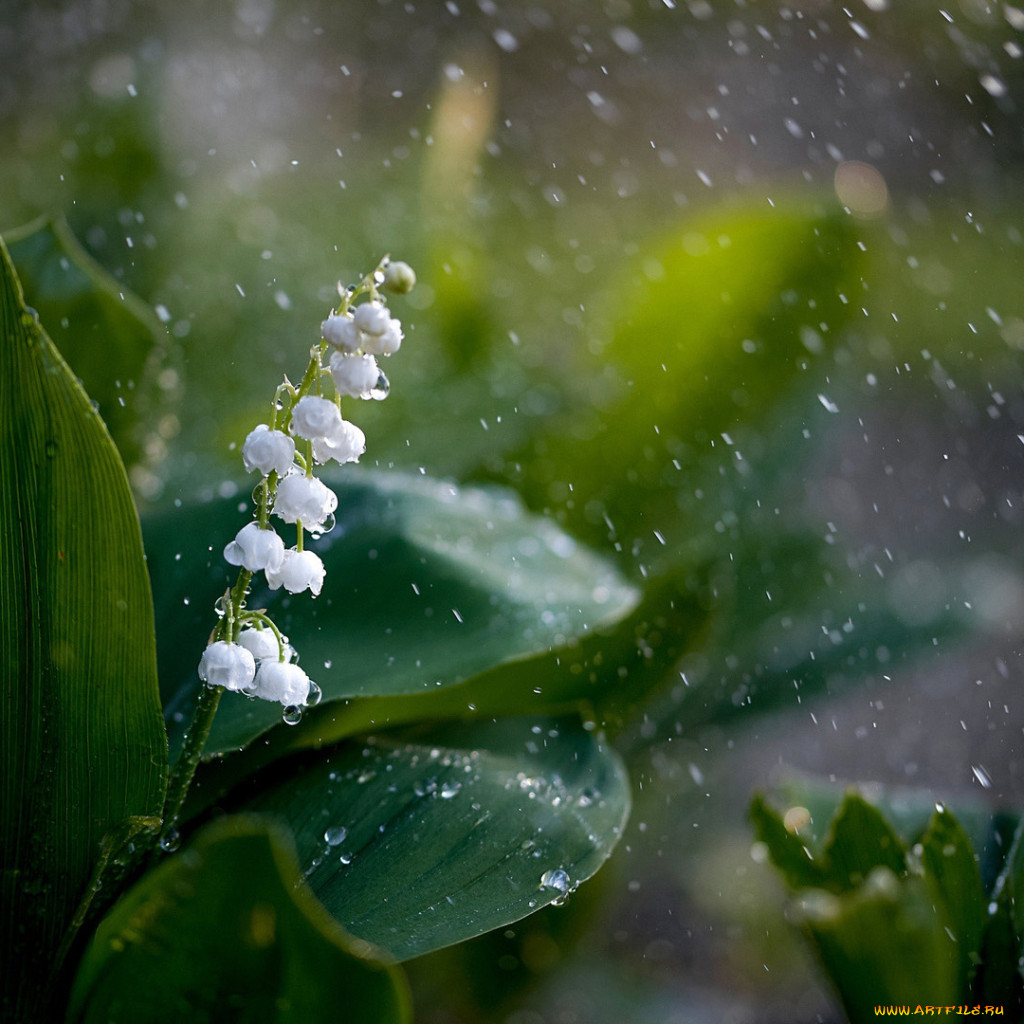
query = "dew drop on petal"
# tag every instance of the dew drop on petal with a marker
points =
(315, 695)
(292, 714)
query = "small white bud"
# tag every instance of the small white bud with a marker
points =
(304, 499)
(371, 318)
(399, 278)
(282, 682)
(355, 376)
(262, 643)
(267, 450)
(345, 445)
(255, 548)
(387, 342)
(228, 665)
(314, 418)
(299, 571)
(339, 331)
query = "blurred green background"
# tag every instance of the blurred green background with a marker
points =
(731, 291)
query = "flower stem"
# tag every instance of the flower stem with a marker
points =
(188, 760)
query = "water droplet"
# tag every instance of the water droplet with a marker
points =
(170, 840)
(315, 695)
(325, 527)
(292, 714)
(345, 858)
(449, 789)
(981, 775)
(335, 836)
(555, 878)
(380, 390)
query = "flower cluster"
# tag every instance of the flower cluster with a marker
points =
(246, 652)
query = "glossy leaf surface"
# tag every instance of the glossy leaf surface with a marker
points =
(83, 754)
(225, 931)
(419, 842)
(427, 585)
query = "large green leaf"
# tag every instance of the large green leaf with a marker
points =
(83, 754)
(111, 339)
(427, 585)
(731, 312)
(418, 842)
(227, 932)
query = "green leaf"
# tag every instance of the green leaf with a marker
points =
(427, 586)
(789, 853)
(227, 932)
(83, 753)
(111, 339)
(419, 842)
(860, 840)
(730, 312)
(952, 872)
(1001, 978)
(882, 943)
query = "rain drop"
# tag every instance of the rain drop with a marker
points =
(315, 695)
(380, 390)
(170, 840)
(335, 836)
(292, 714)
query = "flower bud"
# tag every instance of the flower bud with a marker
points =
(228, 665)
(355, 376)
(299, 571)
(269, 451)
(371, 318)
(283, 682)
(345, 445)
(262, 643)
(399, 278)
(339, 331)
(255, 548)
(304, 499)
(314, 417)
(387, 342)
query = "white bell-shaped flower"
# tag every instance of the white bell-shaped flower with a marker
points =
(355, 376)
(304, 499)
(340, 331)
(262, 643)
(314, 418)
(269, 451)
(371, 317)
(345, 445)
(254, 548)
(299, 571)
(387, 342)
(283, 682)
(228, 665)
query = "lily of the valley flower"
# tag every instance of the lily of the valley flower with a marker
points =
(346, 444)
(282, 681)
(269, 451)
(255, 548)
(299, 571)
(314, 418)
(304, 499)
(228, 665)
(357, 376)
(262, 644)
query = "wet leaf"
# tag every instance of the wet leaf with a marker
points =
(109, 337)
(225, 931)
(427, 585)
(83, 754)
(732, 310)
(418, 842)
(950, 866)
